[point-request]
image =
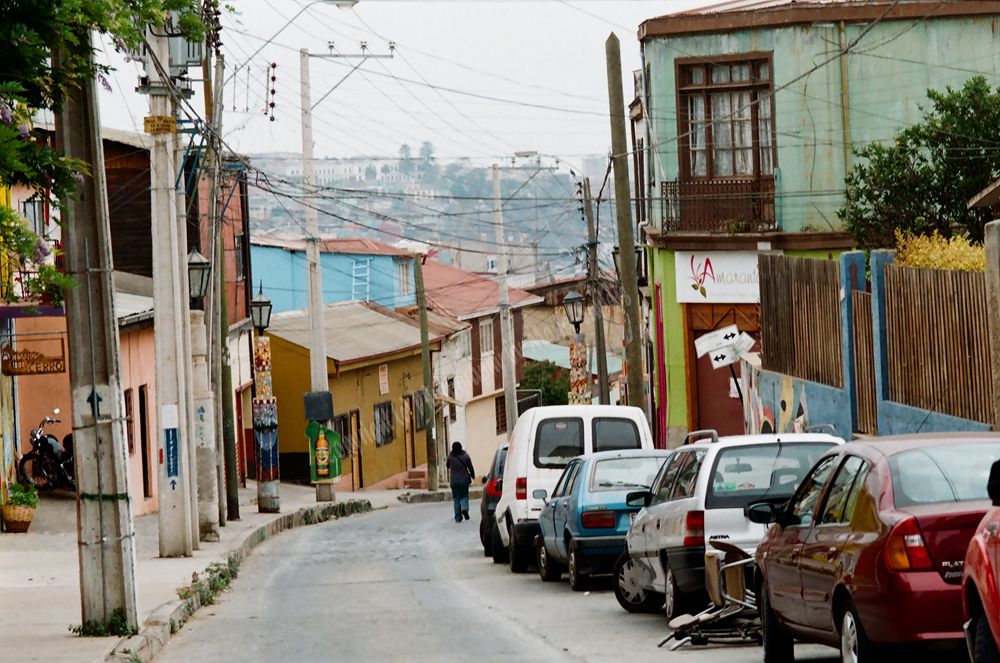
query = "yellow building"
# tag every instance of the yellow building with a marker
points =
(375, 374)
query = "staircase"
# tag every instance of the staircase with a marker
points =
(416, 479)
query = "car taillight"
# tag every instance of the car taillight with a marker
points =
(598, 519)
(521, 489)
(906, 550)
(493, 488)
(694, 528)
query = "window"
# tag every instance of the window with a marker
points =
(500, 405)
(805, 500)
(419, 416)
(726, 124)
(404, 277)
(129, 423)
(951, 473)
(561, 484)
(33, 209)
(661, 491)
(611, 434)
(745, 474)
(557, 441)
(625, 473)
(342, 425)
(841, 499)
(238, 248)
(486, 335)
(452, 408)
(385, 431)
(147, 470)
(687, 475)
(574, 473)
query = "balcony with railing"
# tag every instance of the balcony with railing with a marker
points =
(718, 206)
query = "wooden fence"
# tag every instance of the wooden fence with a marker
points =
(864, 362)
(800, 318)
(938, 341)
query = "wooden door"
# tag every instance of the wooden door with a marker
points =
(408, 430)
(355, 425)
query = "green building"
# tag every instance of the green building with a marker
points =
(742, 125)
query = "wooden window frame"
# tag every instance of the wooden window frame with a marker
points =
(452, 409)
(500, 408)
(130, 420)
(385, 426)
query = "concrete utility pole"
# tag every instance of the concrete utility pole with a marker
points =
(992, 242)
(203, 415)
(596, 295)
(170, 313)
(506, 321)
(425, 354)
(319, 382)
(104, 526)
(626, 236)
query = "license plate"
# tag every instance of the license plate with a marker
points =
(631, 517)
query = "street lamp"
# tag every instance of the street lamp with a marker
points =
(640, 262)
(260, 310)
(199, 275)
(574, 304)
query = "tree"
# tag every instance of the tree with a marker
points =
(370, 172)
(922, 181)
(552, 380)
(405, 159)
(31, 79)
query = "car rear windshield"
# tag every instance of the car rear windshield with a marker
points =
(557, 441)
(625, 473)
(744, 475)
(615, 434)
(947, 473)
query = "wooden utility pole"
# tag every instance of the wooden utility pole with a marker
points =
(992, 242)
(626, 236)
(428, 392)
(596, 295)
(506, 321)
(104, 514)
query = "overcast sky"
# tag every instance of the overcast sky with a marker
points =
(477, 79)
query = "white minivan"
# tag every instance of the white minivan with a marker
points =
(543, 442)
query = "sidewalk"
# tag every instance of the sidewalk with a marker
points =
(39, 572)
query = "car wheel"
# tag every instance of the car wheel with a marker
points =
(986, 646)
(486, 538)
(630, 594)
(517, 553)
(674, 600)
(855, 647)
(779, 646)
(500, 555)
(578, 582)
(549, 569)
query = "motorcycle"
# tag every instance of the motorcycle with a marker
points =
(49, 464)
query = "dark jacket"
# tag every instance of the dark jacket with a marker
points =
(460, 466)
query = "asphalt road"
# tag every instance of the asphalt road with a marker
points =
(409, 584)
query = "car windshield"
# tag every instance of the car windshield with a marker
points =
(557, 441)
(947, 473)
(744, 475)
(625, 473)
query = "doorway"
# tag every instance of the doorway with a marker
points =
(408, 430)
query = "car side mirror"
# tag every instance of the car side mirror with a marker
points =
(639, 498)
(540, 494)
(763, 513)
(993, 485)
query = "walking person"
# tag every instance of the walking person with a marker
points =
(461, 471)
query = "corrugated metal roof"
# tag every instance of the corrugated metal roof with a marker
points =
(346, 245)
(464, 295)
(354, 330)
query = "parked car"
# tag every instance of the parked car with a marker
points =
(870, 548)
(701, 495)
(542, 443)
(585, 519)
(980, 593)
(492, 487)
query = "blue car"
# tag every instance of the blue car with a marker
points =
(585, 520)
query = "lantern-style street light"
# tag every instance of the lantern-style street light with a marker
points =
(574, 305)
(260, 310)
(199, 275)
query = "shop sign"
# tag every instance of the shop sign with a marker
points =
(717, 277)
(28, 361)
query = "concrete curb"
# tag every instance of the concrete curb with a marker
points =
(169, 617)
(439, 496)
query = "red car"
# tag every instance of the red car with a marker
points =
(870, 548)
(979, 582)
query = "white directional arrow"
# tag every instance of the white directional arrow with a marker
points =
(721, 338)
(723, 356)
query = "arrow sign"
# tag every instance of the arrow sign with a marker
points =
(724, 357)
(173, 484)
(717, 340)
(95, 403)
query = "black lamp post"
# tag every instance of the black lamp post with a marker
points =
(260, 310)
(574, 305)
(199, 275)
(640, 262)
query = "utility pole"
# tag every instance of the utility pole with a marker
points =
(506, 322)
(626, 236)
(596, 296)
(104, 515)
(425, 354)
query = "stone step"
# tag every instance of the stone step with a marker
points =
(417, 473)
(416, 484)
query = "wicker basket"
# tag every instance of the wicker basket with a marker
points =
(16, 519)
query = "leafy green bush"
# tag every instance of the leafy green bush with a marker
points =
(552, 380)
(20, 495)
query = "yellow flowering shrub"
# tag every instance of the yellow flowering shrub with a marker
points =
(937, 252)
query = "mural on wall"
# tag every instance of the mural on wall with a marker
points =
(776, 403)
(265, 413)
